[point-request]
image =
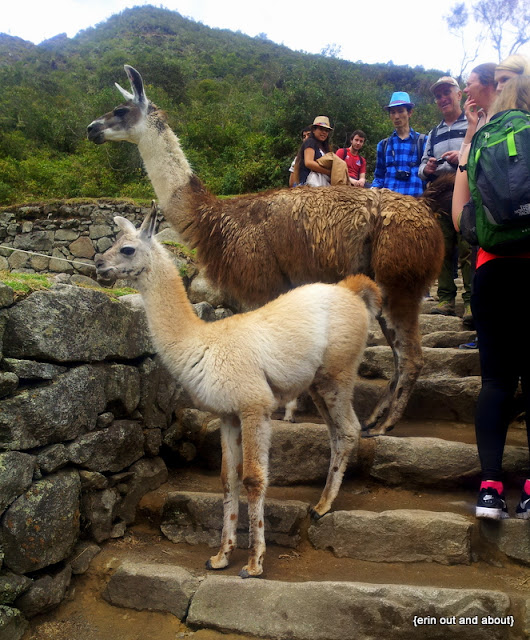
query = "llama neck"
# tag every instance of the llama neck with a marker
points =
(164, 160)
(170, 315)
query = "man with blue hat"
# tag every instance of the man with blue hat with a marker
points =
(399, 155)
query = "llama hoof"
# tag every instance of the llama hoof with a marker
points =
(210, 566)
(245, 574)
(373, 432)
(315, 515)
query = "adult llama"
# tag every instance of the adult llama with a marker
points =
(257, 246)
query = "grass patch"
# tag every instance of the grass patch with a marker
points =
(25, 283)
(181, 249)
(117, 292)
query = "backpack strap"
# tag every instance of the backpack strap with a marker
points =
(419, 148)
(434, 139)
(344, 153)
(385, 146)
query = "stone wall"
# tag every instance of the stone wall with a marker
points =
(66, 238)
(85, 408)
(60, 231)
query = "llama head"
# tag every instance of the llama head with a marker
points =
(131, 254)
(127, 120)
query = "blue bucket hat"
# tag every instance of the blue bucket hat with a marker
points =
(400, 99)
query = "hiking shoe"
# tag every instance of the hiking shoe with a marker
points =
(467, 318)
(473, 344)
(522, 510)
(444, 308)
(491, 505)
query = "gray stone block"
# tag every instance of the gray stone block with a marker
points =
(339, 610)
(197, 518)
(430, 461)
(41, 527)
(401, 535)
(13, 624)
(153, 587)
(511, 536)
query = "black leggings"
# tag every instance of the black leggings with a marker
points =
(500, 304)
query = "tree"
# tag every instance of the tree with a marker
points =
(457, 22)
(506, 23)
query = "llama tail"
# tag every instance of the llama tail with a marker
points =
(367, 289)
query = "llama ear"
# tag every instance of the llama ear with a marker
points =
(124, 93)
(148, 228)
(137, 84)
(124, 224)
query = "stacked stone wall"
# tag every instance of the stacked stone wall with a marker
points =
(74, 232)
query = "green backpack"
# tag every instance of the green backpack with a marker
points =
(498, 171)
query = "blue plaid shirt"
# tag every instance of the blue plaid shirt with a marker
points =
(401, 155)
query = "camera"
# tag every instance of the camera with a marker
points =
(440, 160)
(403, 175)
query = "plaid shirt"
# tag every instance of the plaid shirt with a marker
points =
(401, 155)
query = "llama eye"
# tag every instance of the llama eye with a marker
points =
(127, 251)
(120, 112)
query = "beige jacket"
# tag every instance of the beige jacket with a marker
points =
(339, 169)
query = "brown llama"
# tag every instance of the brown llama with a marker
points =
(242, 367)
(258, 246)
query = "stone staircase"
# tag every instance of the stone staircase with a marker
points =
(401, 555)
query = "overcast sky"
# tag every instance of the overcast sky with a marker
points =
(370, 31)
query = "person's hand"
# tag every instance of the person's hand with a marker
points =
(451, 157)
(471, 110)
(431, 166)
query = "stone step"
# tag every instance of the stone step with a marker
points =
(395, 535)
(378, 362)
(436, 398)
(428, 324)
(414, 461)
(433, 398)
(297, 610)
(401, 535)
(197, 518)
(323, 610)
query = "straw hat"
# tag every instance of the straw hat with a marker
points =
(322, 121)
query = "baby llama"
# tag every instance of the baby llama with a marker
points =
(243, 367)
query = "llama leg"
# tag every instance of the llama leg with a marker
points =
(256, 444)
(335, 407)
(290, 409)
(402, 331)
(231, 479)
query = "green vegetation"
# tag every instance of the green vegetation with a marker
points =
(237, 103)
(25, 283)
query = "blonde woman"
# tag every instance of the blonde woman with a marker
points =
(499, 305)
(516, 65)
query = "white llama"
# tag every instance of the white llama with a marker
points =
(244, 366)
